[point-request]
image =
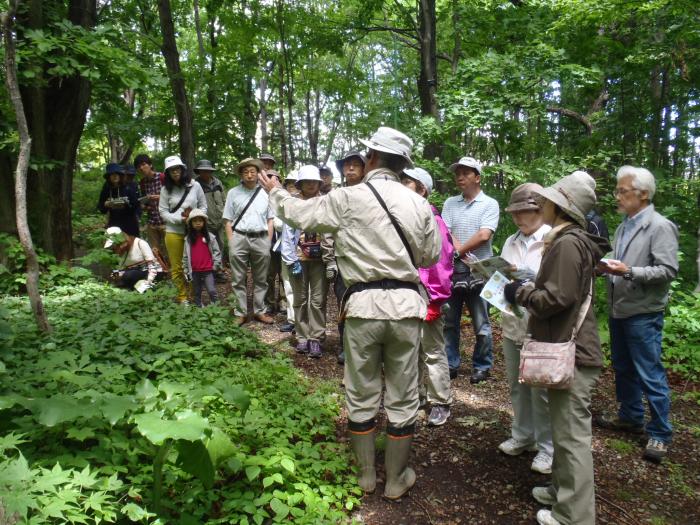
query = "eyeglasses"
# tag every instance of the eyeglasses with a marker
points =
(622, 191)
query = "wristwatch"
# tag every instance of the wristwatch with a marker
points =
(627, 276)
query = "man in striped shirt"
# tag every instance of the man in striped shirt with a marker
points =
(472, 218)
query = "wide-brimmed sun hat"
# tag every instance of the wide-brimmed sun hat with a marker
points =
(573, 194)
(421, 176)
(249, 162)
(392, 141)
(172, 161)
(267, 156)
(524, 198)
(350, 154)
(196, 212)
(307, 172)
(204, 165)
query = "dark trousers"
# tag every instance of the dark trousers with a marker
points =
(131, 277)
(201, 280)
(339, 290)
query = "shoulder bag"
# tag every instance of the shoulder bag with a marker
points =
(184, 196)
(552, 365)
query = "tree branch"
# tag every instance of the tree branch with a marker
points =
(581, 119)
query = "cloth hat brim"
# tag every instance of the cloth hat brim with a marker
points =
(249, 162)
(204, 168)
(386, 149)
(453, 167)
(556, 196)
(522, 206)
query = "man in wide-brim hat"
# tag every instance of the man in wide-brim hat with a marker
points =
(383, 309)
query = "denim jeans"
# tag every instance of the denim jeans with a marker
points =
(482, 359)
(202, 280)
(636, 358)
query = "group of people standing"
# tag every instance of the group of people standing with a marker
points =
(399, 270)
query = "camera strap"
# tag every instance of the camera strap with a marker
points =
(394, 222)
(245, 209)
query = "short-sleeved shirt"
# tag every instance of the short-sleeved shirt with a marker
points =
(257, 214)
(464, 219)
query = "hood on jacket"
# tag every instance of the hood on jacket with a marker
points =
(599, 245)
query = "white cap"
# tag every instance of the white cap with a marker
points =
(172, 161)
(467, 162)
(291, 176)
(421, 176)
(392, 141)
(308, 172)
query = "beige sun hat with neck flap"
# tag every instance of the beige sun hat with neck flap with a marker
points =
(524, 198)
(391, 141)
(574, 194)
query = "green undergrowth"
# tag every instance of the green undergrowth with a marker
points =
(135, 409)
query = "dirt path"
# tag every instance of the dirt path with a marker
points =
(464, 479)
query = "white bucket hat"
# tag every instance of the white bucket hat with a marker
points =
(291, 176)
(467, 162)
(573, 194)
(421, 176)
(308, 172)
(196, 212)
(113, 233)
(392, 141)
(172, 161)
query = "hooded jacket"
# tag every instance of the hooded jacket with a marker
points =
(437, 279)
(559, 290)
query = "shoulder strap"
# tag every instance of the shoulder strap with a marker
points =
(184, 196)
(584, 310)
(394, 222)
(245, 209)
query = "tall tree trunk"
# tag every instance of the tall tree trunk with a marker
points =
(25, 147)
(263, 99)
(282, 127)
(198, 29)
(427, 81)
(177, 83)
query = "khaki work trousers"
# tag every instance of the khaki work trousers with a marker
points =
(309, 291)
(254, 252)
(572, 470)
(369, 344)
(288, 292)
(432, 366)
(156, 238)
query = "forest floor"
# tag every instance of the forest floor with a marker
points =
(464, 479)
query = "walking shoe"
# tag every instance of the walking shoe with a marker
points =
(454, 372)
(542, 463)
(341, 357)
(478, 376)
(287, 327)
(655, 450)
(611, 422)
(302, 347)
(438, 415)
(545, 495)
(264, 318)
(314, 349)
(544, 517)
(513, 447)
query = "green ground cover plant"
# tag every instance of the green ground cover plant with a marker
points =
(136, 409)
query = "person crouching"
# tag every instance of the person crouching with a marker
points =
(301, 252)
(201, 256)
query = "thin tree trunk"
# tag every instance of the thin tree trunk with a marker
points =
(198, 29)
(262, 90)
(282, 127)
(177, 83)
(427, 81)
(25, 146)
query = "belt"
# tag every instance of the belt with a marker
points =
(252, 234)
(383, 284)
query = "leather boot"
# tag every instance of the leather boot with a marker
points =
(363, 446)
(399, 476)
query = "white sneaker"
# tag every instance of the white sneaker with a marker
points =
(438, 415)
(545, 495)
(513, 447)
(544, 517)
(542, 463)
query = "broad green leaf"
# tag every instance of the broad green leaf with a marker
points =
(220, 446)
(114, 407)
(252, 472)
(57, 409)
(146, 390)
(136, 513)
(287, 464)
(236, 395)
(234, 464)
(193, 457)
(188, 426)
(280, 509)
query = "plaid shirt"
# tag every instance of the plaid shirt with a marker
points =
(152, 187)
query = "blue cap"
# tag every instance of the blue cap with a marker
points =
(113, 167)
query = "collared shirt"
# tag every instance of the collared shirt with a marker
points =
(524, 252)
(152, 186)
(464, 219)
(629, 227)
(257, 214)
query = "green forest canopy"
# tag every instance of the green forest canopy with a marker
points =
(535, 88)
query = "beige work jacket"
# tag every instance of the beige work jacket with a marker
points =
(367, 247)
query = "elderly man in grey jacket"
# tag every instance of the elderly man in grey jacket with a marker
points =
(383, 233)
(645, 261)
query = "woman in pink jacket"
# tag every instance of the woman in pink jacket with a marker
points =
(438, 282)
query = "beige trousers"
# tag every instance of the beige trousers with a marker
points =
(156, 238)
(369, 345)
(309, 291)
(572, 470)
(254, 252)
(432, 365)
